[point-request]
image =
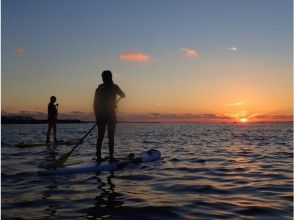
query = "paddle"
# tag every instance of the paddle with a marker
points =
(60, 161)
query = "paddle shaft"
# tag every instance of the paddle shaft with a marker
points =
(81, 140)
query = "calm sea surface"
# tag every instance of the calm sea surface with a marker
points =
(207, 171)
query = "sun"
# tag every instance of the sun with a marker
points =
(243, 120)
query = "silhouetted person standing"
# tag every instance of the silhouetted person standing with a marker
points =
(52, 118)
(104, 109)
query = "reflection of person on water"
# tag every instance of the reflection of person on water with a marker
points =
(51, 157)
(104, 109)
(107, 203)
(52, 118)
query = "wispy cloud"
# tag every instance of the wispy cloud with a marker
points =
(240, 114)
(233, 49)
(134, 56)
(236, 104)
(20, 50)
(169, 117)
(190, 52)
(260, 117)
(273, 117)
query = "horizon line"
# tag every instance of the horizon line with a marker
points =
(280, 119)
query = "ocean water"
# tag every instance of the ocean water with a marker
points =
(207, 171)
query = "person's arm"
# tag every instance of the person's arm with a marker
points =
(95, 104)
(56, 110)
(120, 93)
(49, 111)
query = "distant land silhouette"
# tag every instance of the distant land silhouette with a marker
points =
(29, 120)
(17, 119)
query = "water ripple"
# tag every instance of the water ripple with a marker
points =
(208, 171)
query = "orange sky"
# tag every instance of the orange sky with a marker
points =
(223, 63)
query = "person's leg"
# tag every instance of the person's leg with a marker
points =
(111, 131)
(48, 131)
(54, 130)
(101, 132)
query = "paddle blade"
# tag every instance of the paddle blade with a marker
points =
(61, 160)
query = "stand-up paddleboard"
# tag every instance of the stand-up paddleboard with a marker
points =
(25, 145)
(93, 166)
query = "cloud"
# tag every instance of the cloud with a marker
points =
(255, 117)
(77, 112)
(20, 50)
(236, 104)
(273, 117)
(84, 116)
(169, 117)
(134, 56)
(240, 114)
(190, 52)
(233, 49)
(34, 114)
(209, 117)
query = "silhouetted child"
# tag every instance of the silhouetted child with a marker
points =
(104, 109)
(52, 118)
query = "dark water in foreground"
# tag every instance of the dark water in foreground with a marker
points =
(208, 171)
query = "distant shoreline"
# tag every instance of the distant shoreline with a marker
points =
(30, 120)
(67, 122)
(42, 122)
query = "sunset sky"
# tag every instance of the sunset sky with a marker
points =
(190, 60)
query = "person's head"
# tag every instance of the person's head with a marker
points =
(53, 99)
(107, 77)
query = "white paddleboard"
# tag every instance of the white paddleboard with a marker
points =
(93, 166)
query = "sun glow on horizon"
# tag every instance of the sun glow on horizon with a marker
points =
(243, 120)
